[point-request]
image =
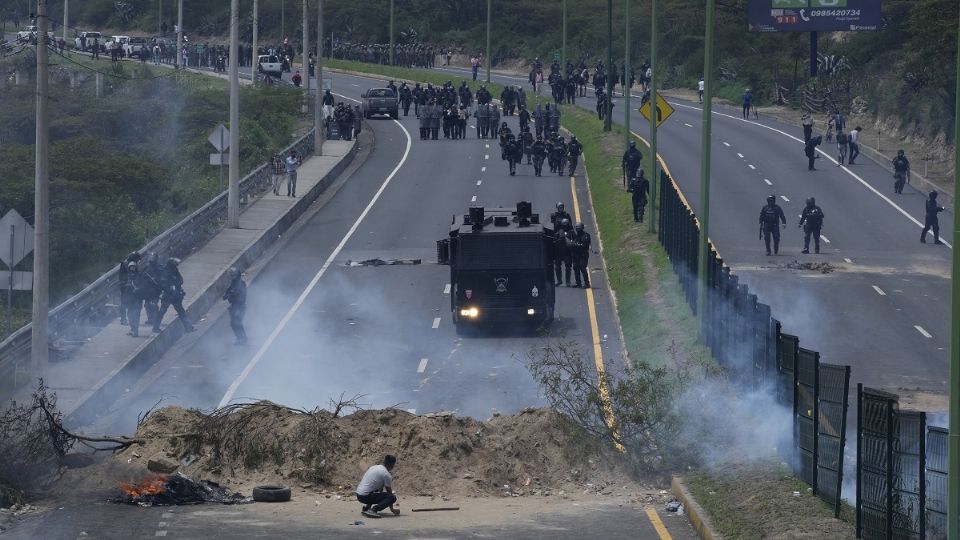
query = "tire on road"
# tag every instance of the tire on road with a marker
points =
(271, 494)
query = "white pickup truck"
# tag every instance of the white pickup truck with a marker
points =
(27, 34)
(269, 65)
(85, 40)
(135, 46)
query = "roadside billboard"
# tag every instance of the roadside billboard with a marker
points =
(813, 15)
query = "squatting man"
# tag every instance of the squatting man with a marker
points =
(375, 489)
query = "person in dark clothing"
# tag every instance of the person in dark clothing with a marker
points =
(562, 254)
(132, 301)
(526, 143)
(771, 216)
(580, 252)
(539, 152)
(901, 171)
(406, 97)
(237, 296)
(171, 281)
(811, 219)
(631, 161)
(747, 102)
(512, 153)
(810, 149)
(931, 220)
(557, 217)
(151, 276)
(524, 117)
(639, 187)
(574, 149)
(123, 277)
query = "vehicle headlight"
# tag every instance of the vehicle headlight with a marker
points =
(470, 312)
(531, 311)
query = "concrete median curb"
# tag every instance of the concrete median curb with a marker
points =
(698, 517)
(121, 377)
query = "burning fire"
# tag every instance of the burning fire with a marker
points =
(154, 484)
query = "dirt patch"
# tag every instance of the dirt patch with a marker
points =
(764, 500)
(821, 267)
(534, 452)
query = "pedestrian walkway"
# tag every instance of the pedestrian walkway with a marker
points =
(110, 353)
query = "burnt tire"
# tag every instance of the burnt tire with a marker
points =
(271, 494)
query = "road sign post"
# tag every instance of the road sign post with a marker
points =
(654, 97)
(662, 110)
(953, 454)
(218, 138)
(702, 262)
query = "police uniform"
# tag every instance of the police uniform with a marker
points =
(580, 252)
(931, 220)
(771, 216)
(811, 219)
(639, 187)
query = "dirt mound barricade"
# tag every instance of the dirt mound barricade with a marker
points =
(535, 451)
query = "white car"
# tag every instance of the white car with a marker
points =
(27, 34)
(135, 46)
(117, 42)
(270, 65)
(85, 40)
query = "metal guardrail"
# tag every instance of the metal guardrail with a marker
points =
(87, 312)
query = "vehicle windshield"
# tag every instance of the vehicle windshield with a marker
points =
(501, 251)
(380, 92)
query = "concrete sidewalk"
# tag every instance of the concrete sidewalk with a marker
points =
(101, 369)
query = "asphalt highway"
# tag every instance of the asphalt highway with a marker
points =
(885, 308)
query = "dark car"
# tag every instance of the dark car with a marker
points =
(379, 101)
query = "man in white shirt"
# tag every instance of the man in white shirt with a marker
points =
(375, 489)
(700, 89)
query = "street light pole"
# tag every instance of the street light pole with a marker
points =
(488, 59)
(705, 147)
(318, 133)
(160, 18)
(305, 63)
(953, 456)
(607, 121)
(66, 17)
(233, 194)
(563, 42)
(626, 76)
(178, 61)
(391, 32)
(655, 178)
(256, 33)
(40, 350)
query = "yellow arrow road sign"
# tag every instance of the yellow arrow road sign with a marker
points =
(664, 110)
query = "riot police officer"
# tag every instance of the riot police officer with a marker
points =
(526, 142)
(237, 296)
(901, 171)
(631, 161)
(580, 252)
(562, 251)
(124, 276)
(931, 220)
(639, 187)
(574, 149)
(171, 282)
(811, 219)
(512, 153)
(539, 152)
(483, 120)
(150, 277)
(557, 217)
(406, 97)
(770, 215)
(560, 154)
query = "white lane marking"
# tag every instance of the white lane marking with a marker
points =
(725, 143)
(688, 125)
(162, 524)
(826, 155)
(423, 365)
(488, 146)
(769, 183)
(160, 533)
(479, 182)
(751, 167)
(879, 290)
(923, 332)
(235, 385)
(473, 199)
(486, 156)
(824, 238)
(785, 199)
(739, 155)
(847, 260)
(483, 169)
(436, 322)
(166, 515)
(446, 289)
(357, 85)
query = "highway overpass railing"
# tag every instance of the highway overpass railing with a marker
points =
(87, 312)
(900, 466)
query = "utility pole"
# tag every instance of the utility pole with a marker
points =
(179, 56)
(233, 195)
(655, 178)
(40, 349)
(607, 121)
(953, 456)
(391, 32)
(305, 62)
(563, 42)
(705, 147)
(160, 18)
(256, 31)
(488, 60)
(319, 132)
(283, 20)
(626, 75)
(66, 17)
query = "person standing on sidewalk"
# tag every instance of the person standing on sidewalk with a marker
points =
(171, 282)
(237, 296)
(853, 141)
(279, 170)
(292, 163)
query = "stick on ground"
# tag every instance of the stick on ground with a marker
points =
(440, 509)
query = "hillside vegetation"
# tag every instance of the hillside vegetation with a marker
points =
(903, 75)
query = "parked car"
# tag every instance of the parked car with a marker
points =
(85, 40)
(269, 65)
(379, 101)
(27, 34)
(135, 46)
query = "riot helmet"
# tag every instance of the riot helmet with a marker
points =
(579, 227)
(811, 201)
(933, 194)
(771, 199)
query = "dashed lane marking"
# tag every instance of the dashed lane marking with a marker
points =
(769, 183)
(785, 199)
(923, 332)
(166, 515)
(751, 167)
(824, 238)
(423, 365)
(162, 524)
(486, 156)
(473, 199)
(688, 125)
(739, 155)
(725, 143)
(847, 260)
(479, 182)
(160, 533)
(483, 169)
(658, 524)
(235, 385)
(357, 85)
(487, 145)
(436, 322)
(879, 290)
(446, 289)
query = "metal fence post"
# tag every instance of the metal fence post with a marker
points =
(889, 471)
(859, 500)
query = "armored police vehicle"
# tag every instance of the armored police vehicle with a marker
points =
(500, 267)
